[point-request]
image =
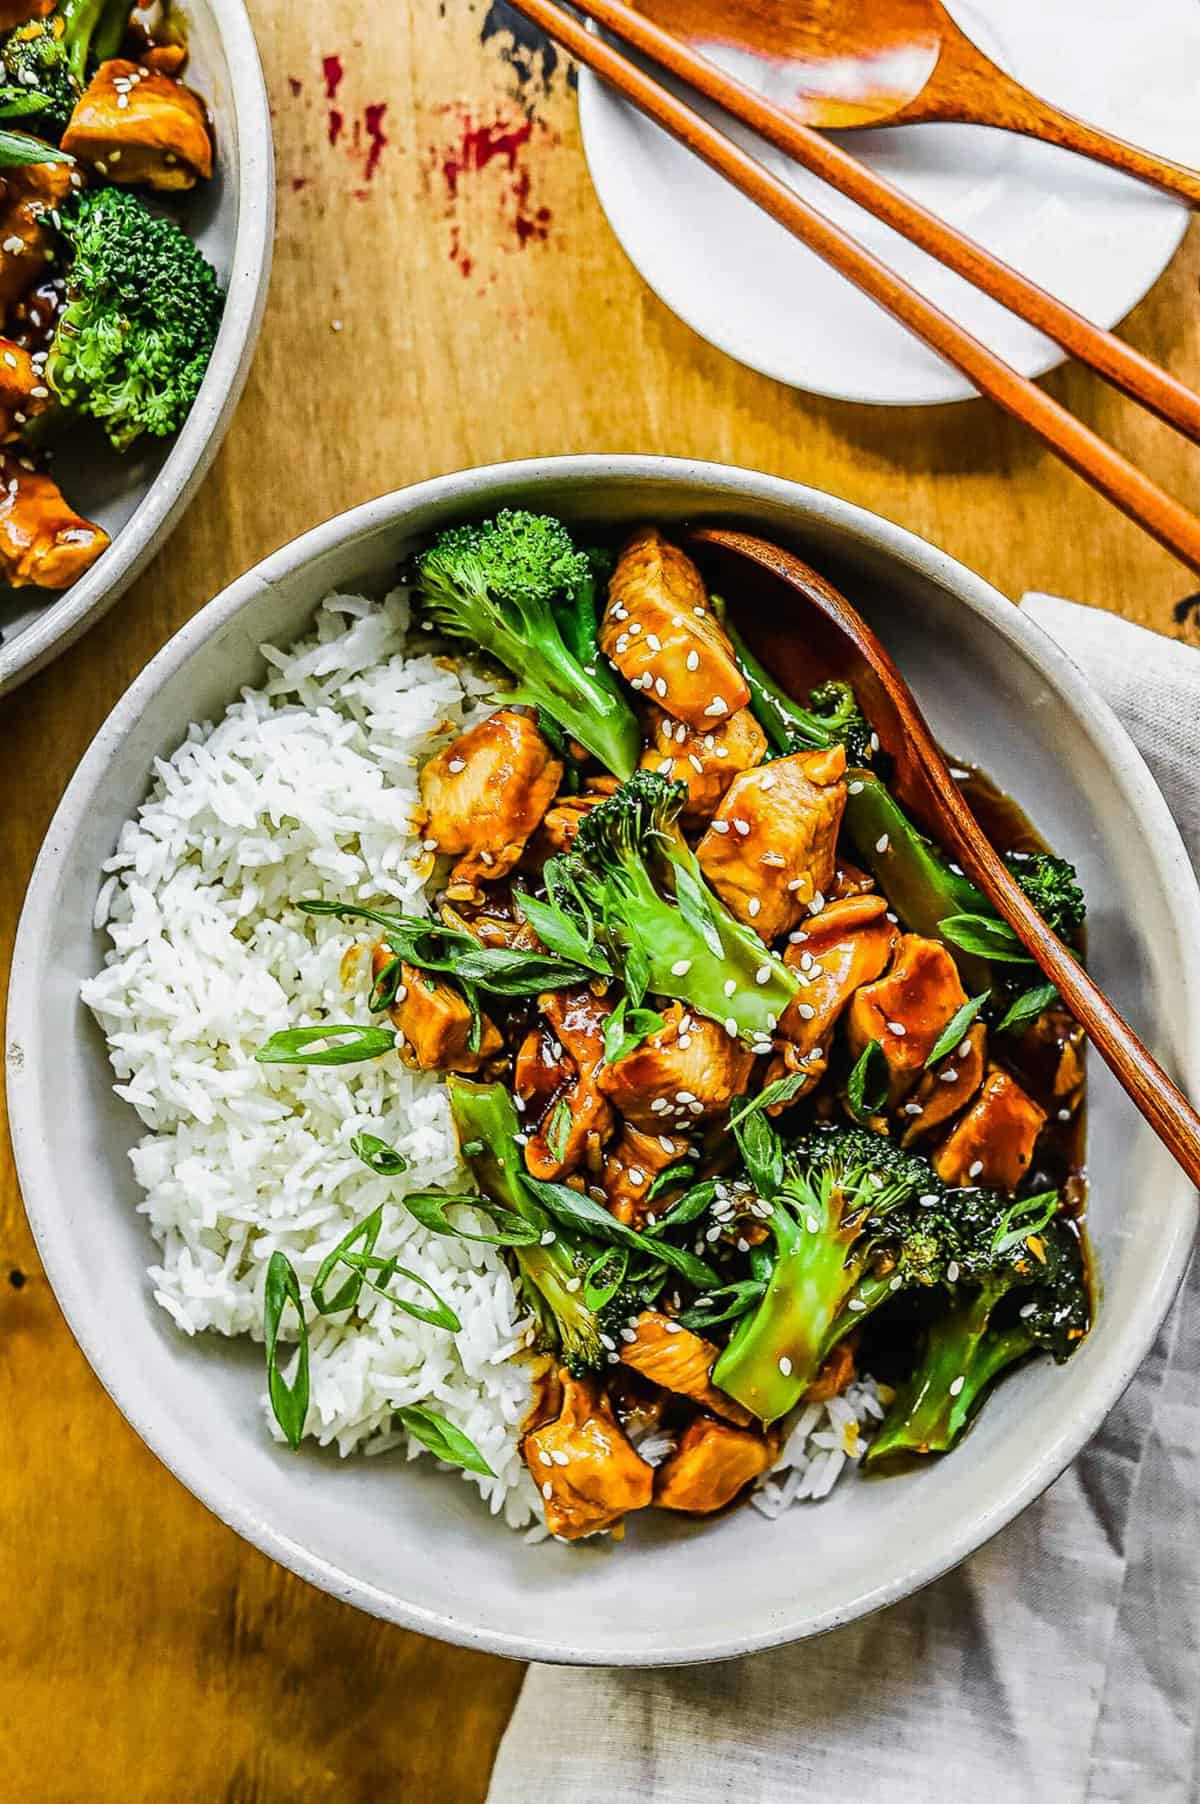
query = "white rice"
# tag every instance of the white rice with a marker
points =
(308, 787)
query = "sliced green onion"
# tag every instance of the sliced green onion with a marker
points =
(1027, 1007)
(383, 1159)
(867, 1087)
(289, 1399)
(289, 1045)
(1028, 1215)
(955, 1028)
(443, 1438)
(429, 1207)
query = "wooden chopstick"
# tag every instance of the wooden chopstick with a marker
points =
(1117, 362)
(1164, 518)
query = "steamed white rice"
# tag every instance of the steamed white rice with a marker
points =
(308, 787)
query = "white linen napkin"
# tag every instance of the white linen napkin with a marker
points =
(1060, 1664)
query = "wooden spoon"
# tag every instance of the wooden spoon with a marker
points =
(839, 63)
(844, 644)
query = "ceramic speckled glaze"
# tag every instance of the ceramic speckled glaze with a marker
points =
(139, 498)
(409, 1543)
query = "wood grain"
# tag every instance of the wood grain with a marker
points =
(146, 1652)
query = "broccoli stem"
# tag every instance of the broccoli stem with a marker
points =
(486, 1121)
(683, 964)
(917, 880)
(774, 1354)
(961, 1358)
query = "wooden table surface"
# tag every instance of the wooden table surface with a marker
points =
(446, 292)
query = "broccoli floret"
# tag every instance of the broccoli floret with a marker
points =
(142, 314)
(850, 1229)
(516, 588)
(833, 716)
(1019, 1287)
(44, 63)
(552, 1268)
(1052, 885)
(671, 934)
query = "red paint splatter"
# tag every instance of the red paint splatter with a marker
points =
(373, 126)
(332, 70)
(475, 148)
(295, 85)
(336, 122)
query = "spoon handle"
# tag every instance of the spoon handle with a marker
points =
(970, 89)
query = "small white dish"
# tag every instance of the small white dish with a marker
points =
(1095, 238)
(140, 498)
(406, 1541)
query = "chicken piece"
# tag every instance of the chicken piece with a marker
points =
(993, 1143)
(848, 880)
(484, 795)
(688, 1070)
(561, 821)
(706, 759)
(434, 1021)
(710, 1465)
(23, 391)
(555, 1078)
(491, 927)
(663, 637)
(906, 1009)
(165, 59)
(946, 1089)
(633, 1162)
(136, 127)
(28, 195)
(835, 1375)
(678, 1360)
(44, 543)
(770, 849)
(849, 943)
(601, 1478)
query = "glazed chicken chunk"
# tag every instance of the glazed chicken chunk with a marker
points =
(907, 1009)
(690, 1069)
(770, 849)
(993, 1143)
(663, 637)
(19, 12)
(137, 127)
(845, 946)
(434, 1021)
(631, 1165)
(947, 1088)
(24, 392)
(561, 821)
(584, 1464)
(44, 543)
(28, 195)
(712, 1462)
(679, 1361)
(567, 1118)
(707, 759)
(484, 795)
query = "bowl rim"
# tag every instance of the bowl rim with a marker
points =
(30, 1115)
(199, 439)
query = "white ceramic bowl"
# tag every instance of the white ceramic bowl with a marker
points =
(414, 1545)
(140, 497)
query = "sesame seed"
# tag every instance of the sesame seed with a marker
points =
(975, 1169)
(857, 1305)
(763, 974)
(660, 686)
(713, 1233)
(1064, 1114)
(897, 1282)
(874, 742)
(805, 1010)
(10, 360)
(753, 907)
(693, 660)
(681, 967)
(813, 1223)
(629, 1335)
(429, 845)
(741, 826)
(927, 1202)
(547, 1237)
(666, 767)
(957, 1386)
(768, 781)
(952, 1272)
(775, 859)
(673, 1328)
(14, 245)
(700, 613)
(684, 1096)
(913, 1108)
(719, 826)
(547, 1490)
(853, 789)
(807, 960)
(731, 1027)
(122, 100)
(457, 764)
(796, 937)
(653, 641)
(659, 1105)
(1026, 1310)
(635, 626)
(544, 1457)
(636, 1176)
(574, 1284)
(898, 1028)
(817, 903)
(882, 843)
(695, 763)
(619, 613)
(717, 707)
(743, 1245)
(894, 919)
(486, 857)
(684, 1041)
(623, 642)
(730, 986)
(785, 1365)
